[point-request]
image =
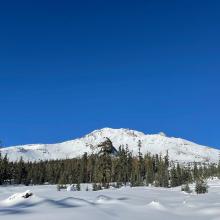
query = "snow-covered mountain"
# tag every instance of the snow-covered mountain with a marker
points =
(179, 149)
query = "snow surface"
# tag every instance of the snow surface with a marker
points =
(125, 203)
(179, 149)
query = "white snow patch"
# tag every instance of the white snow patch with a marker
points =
(18, 198)
(156, 205)
(70, 188)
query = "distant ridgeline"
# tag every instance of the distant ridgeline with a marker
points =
(107, 166)
(180, 150)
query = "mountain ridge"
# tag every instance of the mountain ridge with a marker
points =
(179, 149)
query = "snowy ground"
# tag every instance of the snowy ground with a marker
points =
(125, 203)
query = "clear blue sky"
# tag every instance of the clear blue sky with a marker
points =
(69, 67)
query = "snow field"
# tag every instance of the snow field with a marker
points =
(124, 203)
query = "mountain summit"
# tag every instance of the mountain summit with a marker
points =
(179, 149)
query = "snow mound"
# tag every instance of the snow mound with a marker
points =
(104, 199)
(18, 198)
(70, 188)
(156, 205)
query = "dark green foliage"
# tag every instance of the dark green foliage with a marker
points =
(104, 164)
(118, 185)
(99, 187)
(78, 188)
(201, 187)
(94, 187)
(60, 186)
(122, 165)
(105, 168)
(83, 167)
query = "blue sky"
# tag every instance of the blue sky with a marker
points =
(69, 67)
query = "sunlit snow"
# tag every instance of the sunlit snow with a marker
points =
(124, 203)
(179, 149)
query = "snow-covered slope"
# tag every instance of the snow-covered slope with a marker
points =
(179, 149)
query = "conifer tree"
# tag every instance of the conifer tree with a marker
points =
(84, 174)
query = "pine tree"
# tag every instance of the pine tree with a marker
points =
(141, 169)
(149, 169)
(105, 163)
(195, 171)
(174, 177)
(84, 174)
(166, 171)
(21, 172)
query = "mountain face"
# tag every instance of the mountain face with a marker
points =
(179, 149)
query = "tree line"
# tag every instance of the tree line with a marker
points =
(105, 168)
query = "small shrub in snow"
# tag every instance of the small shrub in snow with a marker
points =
(96, 187)
(99, 187)
(60, 186)
(201, 187)
(119, 185)
(106, 186)
(78, 188)
(186, 188)
(87, 188)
